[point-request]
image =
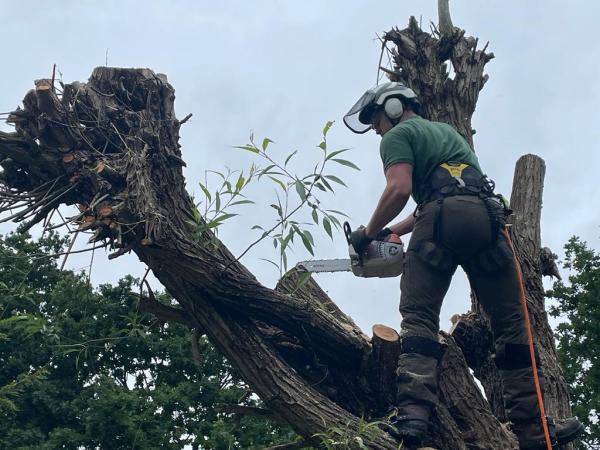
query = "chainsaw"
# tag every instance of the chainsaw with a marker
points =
(381, 259)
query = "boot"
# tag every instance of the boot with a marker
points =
(409, 424)
(417, 388)
(563, 431)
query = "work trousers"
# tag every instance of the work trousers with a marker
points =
(462, 230)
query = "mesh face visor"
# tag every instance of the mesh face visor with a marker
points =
(358, 119)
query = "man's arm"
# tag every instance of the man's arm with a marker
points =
(395, 195)
(404, 227)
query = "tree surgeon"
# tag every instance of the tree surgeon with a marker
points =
(459, 220)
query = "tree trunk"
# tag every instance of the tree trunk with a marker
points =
(111, 147)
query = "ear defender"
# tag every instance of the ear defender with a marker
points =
(393, 108)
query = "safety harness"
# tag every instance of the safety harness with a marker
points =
(457, 178)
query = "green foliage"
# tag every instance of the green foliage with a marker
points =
(579, 336)
(227, 196)
(293, 195)
(83, 368)
(343, 438)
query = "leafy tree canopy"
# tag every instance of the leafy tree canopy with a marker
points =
(579, 336)
(83, 368)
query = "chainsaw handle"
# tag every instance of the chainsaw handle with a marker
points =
(347, 231)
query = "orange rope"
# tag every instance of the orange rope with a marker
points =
(536, 379)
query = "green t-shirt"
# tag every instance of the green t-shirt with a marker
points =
(425, 145)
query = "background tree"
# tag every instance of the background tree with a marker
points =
(85, 368)
(579, 336)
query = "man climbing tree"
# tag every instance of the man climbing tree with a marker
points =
(459, 220)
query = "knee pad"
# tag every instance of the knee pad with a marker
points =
(422, 346)
(515, 356)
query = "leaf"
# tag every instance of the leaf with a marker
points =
(323, 145)
(284, 257)
(277, 208)
(288, 238)
(265, 143)
(336, 179)
(315, 216)
(279, 182)
(306, 242)
(289, 157)
(269, 261)
(345, 162)
(206, 192)
(217, 202)
(301, 190)
(335, 221)
(240, 183)
(275, 242)
(257, 227)
(327, 226)
(265, 171)
(241, 202)
(327, 127)
(339, 213)
(337, 152)
(327, 185)
(223, 217)
(310, 237)
(217, 173)
(302, 279)
(249, 148)
(196, 215)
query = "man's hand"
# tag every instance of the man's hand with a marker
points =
(383, 235)
(359, 239)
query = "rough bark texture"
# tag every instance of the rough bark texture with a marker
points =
(526, 201)
(110, 146)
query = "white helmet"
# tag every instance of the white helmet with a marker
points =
(386, 96)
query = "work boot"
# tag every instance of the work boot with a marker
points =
(409, 423)
(531, 435)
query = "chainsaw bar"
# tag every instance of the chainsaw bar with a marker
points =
(326, 265)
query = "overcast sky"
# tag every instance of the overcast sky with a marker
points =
(282, 69)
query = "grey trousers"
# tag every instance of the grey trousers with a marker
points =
(459, 231)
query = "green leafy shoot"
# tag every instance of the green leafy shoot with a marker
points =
(216, 208)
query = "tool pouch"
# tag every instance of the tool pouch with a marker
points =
(491, 260)
(435, 256)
